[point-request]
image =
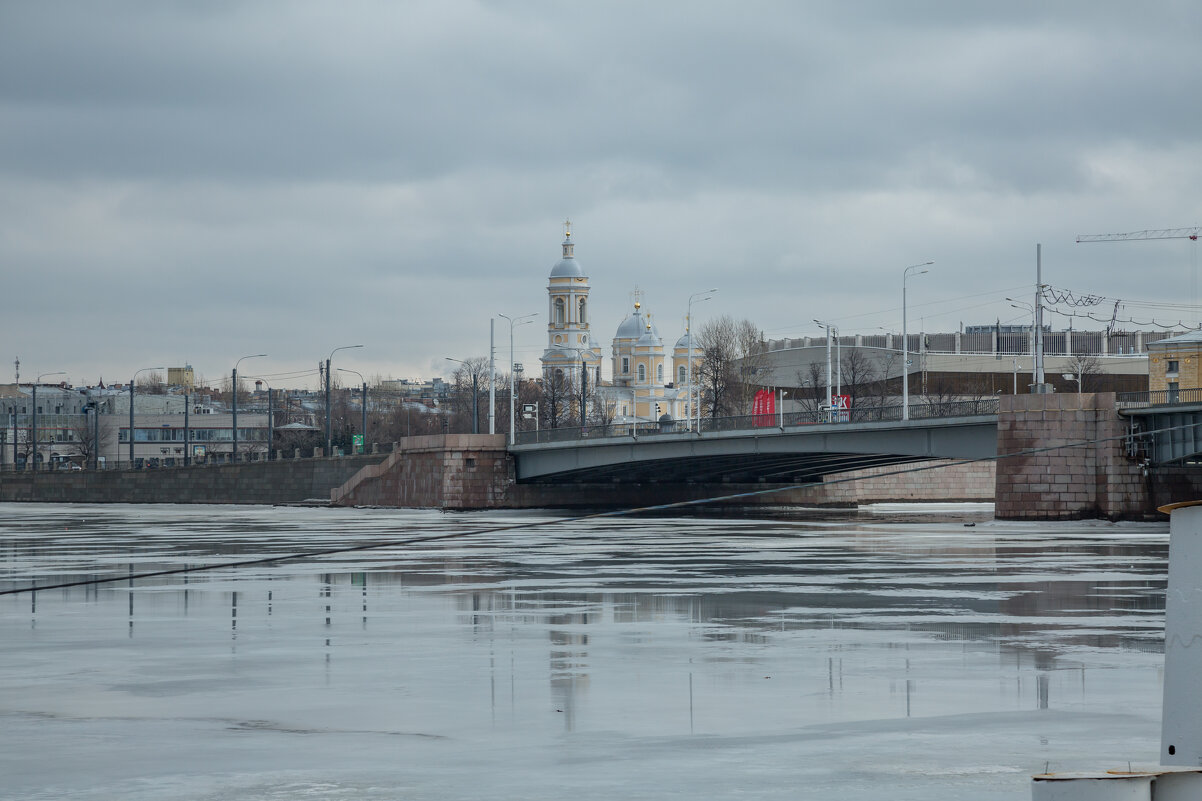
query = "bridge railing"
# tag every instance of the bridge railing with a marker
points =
(1160, 397)
(926, 410)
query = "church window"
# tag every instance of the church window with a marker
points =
(560, 311)
(680, 375)
(642, 373)
(625, 364)
(659, 373)
(583, 319)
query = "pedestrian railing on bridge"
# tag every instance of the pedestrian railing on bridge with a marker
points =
(753, 422)
(1160, 397)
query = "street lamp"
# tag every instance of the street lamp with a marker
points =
(329, 434)
(234, 406)
(35, 417)
(906, 337)
(364, 380)
(475, 390)
(688, 329)
(514, 321)
(838, 368)
(131, 410)
(270, 416)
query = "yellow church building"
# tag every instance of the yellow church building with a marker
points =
(646, 382)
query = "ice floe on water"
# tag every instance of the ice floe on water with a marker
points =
(887, 653)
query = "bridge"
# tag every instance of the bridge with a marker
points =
(784, 448)
(1166, 424)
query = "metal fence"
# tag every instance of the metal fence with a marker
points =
(1161, 397)
(926, 410)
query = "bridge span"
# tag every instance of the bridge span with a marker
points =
(779, 454)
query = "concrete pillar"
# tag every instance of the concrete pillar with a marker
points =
(1181, 712)
(296, 453)
(317, 452)
(1139, 341)
(375, 448)
(958, 341)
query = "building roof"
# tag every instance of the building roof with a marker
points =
(1188, 338)
(635, 325)
(567, 268)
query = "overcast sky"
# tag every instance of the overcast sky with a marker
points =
(192, 182)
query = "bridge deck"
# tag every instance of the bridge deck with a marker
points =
(789, 454)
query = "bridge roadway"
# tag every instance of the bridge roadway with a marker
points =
(790, 454)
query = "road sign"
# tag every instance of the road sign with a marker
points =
(357, 442)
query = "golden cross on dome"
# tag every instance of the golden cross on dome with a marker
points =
(567, 229)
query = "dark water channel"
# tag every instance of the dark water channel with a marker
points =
(870, 656)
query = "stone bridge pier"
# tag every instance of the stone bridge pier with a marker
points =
(1100, 480)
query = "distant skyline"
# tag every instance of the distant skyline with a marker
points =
(191, 183)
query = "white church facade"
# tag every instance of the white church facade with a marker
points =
(647, 382)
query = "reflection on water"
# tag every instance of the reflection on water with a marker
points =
(815, 652)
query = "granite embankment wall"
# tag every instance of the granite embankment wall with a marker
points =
(1099, 480)
(283, 481)
(474, 472)
(449, 471)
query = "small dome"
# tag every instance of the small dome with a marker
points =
(567, 268)
(650, 335)
(632, 327)
(683, 342)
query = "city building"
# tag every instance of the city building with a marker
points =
(1173, 364)
(182, 377)
(647, 382)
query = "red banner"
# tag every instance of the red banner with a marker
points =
(763, 408)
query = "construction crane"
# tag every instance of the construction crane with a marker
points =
(1164, 233)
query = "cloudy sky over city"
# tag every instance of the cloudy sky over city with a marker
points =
(193, 182)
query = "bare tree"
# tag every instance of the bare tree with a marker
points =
(602, 410)
(1087, 369)
(84, 437)
(859, 374)
(152, 383)
(717, 369)
(752, 357)
(812, 381)
(557, 396)
(469, 396)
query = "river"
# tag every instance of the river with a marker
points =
(895, 653)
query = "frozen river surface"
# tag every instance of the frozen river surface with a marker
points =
(881, 656)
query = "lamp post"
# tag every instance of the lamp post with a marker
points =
(234, 401)
(913, 269)
(131, 410)
(838, 367)
(700, 297)
(34, 424)
(270, 416)
(329, 434)
(364, 399)
(475, 390)
(514, 321)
